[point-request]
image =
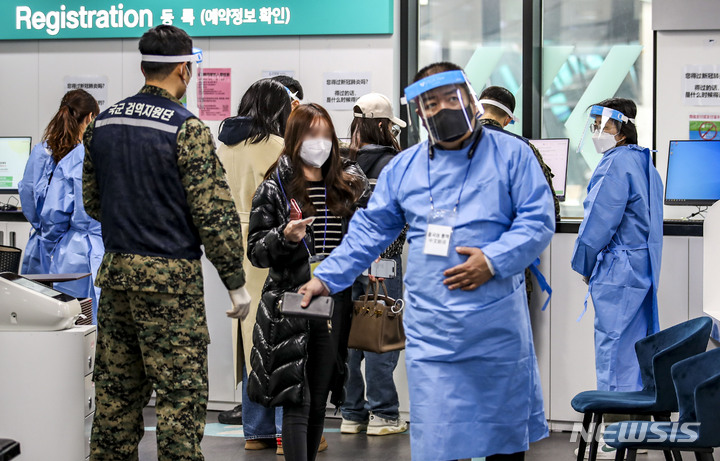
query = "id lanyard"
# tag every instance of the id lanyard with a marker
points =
(440, 223)
(462, 187)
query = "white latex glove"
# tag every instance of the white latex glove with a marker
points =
(241, 304)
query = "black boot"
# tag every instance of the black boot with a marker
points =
(233, 416)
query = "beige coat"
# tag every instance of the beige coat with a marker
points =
(246, 165)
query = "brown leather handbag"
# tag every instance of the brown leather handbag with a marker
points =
(377, 323)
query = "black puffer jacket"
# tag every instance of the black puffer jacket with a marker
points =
(279, 351)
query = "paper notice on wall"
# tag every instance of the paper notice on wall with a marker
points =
(214, 93)
(275, 73)
(96, 85)
(342, 89)
(701, 85)
(704, 126)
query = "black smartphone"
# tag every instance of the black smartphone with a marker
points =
(320, 307)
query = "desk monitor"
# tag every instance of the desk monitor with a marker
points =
(14, 153)
(693, 173)
(555, 154)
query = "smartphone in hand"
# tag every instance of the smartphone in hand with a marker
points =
(384, 269)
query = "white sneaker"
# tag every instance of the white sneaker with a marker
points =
(352, 427)
(382, 426)
(587, 451)
(605, 451)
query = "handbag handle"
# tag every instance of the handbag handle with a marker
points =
(367, 295)
(375, 291)
(384, 287)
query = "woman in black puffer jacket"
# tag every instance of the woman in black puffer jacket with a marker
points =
(296, 362)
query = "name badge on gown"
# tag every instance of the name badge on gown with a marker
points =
(439, 232)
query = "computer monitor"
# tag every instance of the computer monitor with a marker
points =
(14, 153)
(555, 154)
(693, 174)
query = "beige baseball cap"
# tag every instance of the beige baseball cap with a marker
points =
(376, 105)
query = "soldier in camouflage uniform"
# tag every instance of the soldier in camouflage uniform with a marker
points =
(153, 180)
(495, 117)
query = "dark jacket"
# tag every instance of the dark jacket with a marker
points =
(279, 354)
(372, 159)
(235, 130)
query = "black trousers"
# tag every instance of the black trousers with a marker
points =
(519, 456)
(302, 425)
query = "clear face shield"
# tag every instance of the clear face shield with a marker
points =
(603, 125)
(195, 60)
(446, 105)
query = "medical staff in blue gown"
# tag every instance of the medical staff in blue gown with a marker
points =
(619, 244)
(78, 244)
(32, 189)
(479, 212)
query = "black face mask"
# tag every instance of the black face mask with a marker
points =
(449, 125)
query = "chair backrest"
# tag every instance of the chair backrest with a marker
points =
(657, 354)
(707, 403)
(10, 259)
(688, 375)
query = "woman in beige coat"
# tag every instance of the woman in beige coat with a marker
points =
(249, 144)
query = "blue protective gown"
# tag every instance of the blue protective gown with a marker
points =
(32, 189)
(472, 372)
(619, 247)
(80, 247)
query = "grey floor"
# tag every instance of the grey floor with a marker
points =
(360, 447)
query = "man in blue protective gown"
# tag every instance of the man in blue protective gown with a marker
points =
(619, 244)
(479, 212)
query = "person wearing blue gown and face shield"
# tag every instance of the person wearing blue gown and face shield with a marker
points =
(479, 211)
(78, 246)
(619, 245)
(33, 187)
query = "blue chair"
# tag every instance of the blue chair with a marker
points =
(697, 381)
(656, 355)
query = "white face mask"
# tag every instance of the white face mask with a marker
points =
(603, 142)
(315, 151)
(186, 83)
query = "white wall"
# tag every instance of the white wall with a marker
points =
(676, 49)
